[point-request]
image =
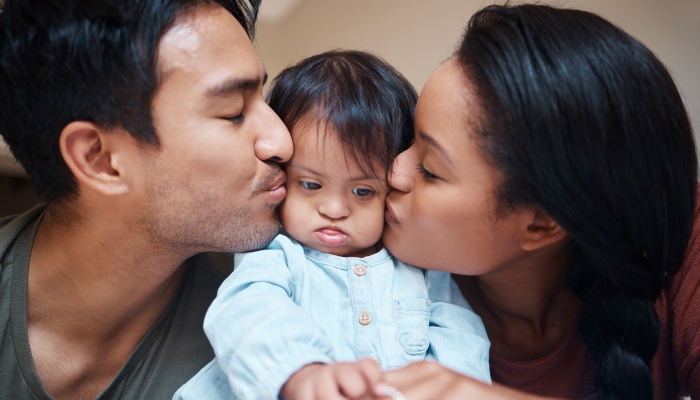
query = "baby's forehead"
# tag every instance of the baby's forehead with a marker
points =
(318, 146)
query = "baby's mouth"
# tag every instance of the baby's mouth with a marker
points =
(330, 236)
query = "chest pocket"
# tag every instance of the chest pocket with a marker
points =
(412, 318)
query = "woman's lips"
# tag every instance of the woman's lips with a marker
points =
(331, 236)
(389, 216)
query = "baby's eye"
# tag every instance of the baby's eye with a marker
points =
(310, 185)
(362, 192)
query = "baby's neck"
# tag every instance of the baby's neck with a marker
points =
(367, 251)
(360, 253)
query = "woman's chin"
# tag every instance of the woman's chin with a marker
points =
(388, 237)
(394, 243)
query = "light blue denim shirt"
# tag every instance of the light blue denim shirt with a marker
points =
(290, 305)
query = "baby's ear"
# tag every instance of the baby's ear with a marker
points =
(540, 230)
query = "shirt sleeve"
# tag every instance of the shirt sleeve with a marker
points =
(457, 336)
(259, 334)
(683, 305)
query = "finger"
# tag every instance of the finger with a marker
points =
(372, 374)
(326, 387)
(433, 386)
(404, 377)
(299, 385)
(359, 379)
(350, 381)
(425, 381)
(433, 382)
(305, 391)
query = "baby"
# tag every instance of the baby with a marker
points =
(292, 319)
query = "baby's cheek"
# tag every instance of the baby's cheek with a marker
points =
(297, 216)
(374, 223)
(287, 214)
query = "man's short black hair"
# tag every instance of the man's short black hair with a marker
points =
(90, 60)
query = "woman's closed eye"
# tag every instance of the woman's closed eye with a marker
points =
(363, 193)
(426, 174)
(309, 185)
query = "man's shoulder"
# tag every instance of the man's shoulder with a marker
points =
(205, 273)
(186, 349)
(215, 266)
(12, 226)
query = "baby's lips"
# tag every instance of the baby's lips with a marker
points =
(331, 236)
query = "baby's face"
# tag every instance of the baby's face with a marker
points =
(331, 205)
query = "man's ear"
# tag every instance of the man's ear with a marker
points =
(86, 150)
(541, 230)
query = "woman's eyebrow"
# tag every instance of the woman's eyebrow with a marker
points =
(432, 142)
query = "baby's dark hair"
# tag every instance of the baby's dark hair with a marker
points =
(366, 101)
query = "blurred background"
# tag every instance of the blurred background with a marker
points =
(415, 36)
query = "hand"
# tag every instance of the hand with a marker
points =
(340, 381)
(427, 380)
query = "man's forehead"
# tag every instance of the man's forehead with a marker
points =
(209, 43)
(184, 36)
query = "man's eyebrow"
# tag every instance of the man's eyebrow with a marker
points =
(432, 142)
(232, 86)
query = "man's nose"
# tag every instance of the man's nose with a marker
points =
(274, 143)
(334, 208)
(401, 173)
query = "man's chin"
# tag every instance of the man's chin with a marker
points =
(255, 238)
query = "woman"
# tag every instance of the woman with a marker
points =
(554, 173)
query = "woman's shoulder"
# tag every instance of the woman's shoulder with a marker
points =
(678, 356)
(686, 282)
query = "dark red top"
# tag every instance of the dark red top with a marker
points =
(567, 372)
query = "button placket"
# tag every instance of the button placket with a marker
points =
(363, 309)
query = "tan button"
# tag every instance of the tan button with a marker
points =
(360, 270)
(365, 318)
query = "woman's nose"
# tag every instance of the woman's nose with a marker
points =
(334, 208)
(401, 172)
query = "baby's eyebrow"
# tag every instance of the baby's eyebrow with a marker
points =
(307, 169)
(367, 178)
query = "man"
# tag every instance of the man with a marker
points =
(142, 124)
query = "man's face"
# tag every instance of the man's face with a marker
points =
(214, 182)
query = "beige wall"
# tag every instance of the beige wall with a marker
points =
(416, 35)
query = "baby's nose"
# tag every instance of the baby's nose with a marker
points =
(334, 209)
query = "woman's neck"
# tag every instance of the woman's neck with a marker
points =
(527, 309)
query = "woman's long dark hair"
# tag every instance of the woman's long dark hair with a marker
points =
(585, 123)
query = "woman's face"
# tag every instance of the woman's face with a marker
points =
(441, 213)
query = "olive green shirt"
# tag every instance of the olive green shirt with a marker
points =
(172, 351)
